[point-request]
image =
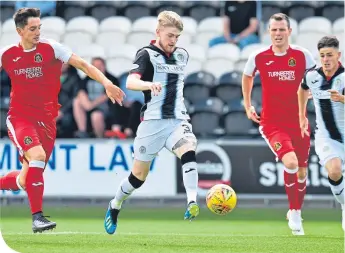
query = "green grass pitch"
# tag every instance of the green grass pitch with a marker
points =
(80, 230)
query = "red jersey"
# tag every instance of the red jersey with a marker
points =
(35, 78)
(281, 76)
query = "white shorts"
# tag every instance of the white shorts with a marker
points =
(327, 149)
(153, 135)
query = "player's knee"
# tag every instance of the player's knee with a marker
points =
(290, 161)
(134, 181)
(302, 173)
(36, 154)
(188, 157)
(334, 169)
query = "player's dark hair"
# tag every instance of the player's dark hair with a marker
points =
(328, 41)
(22, 15)
(280, 17)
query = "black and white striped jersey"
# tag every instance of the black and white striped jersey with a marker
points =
(155, 66)
(329, 114)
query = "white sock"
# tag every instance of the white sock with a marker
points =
(338, 190)
(123, 192)
(190, 180)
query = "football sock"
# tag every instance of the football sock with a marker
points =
(337, 188)
(35, 185)
(190, 175)
(291, 187)
(302, 188)
(10, 181)
(126, 188)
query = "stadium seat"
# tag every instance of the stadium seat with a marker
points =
(6, 12)
(102, 10)
(312, 120)
(145, 24)
(115, 24)
(229, 86)
(341, 39)
(309, 41)
(193, 66)
(53, 25)
(207, 29)
(126, 51)
(236, 123)
(189, 25)
(224, 51)
(90, 51)
(50, 35)
(218, 66)
(169, 6)
(205, 117)
(268, 10)
(119, 66)
(140, 39)
(8, 26)
(338, 25)
(136, 10)
(111, 39)
(248, 50)
(184, 40)
(75, 39)
(301, 11)
(83, 24)
(73, 11)
(333, 10)
(257, 94)
(239, 65)
(9, 38)
(197, 86)
(196, 52)
(315, 25)
(201, 10)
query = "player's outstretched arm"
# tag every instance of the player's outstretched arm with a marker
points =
(247, 87)
(114, 93)
(303, 96)
(135, 83)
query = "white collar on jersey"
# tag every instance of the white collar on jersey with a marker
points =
(29, 50)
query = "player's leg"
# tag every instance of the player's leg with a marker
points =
(146, 147)
(80, 115)
(98, 123)
(281, 145)
(183, 143)
(15, 180)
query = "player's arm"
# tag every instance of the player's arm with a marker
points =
(303, 96)
(142, 66)
(247, 87)
(113, 92)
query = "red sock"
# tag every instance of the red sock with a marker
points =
(9, 181)
(302, 188)
(35, 185)
(291, 187)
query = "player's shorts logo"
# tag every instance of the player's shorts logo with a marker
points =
(38, 58)
(292, 62)
(277, 146)
(142, 150)
(27, 140)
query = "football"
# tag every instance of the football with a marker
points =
(221, 199)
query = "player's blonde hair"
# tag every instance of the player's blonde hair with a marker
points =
(170, 19)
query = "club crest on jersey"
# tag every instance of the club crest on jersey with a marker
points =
(27, 140)
(38, 58)
(277, 146)
(292, 62)
(180, 57)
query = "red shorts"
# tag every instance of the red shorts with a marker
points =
(26, 134)
(285, 140)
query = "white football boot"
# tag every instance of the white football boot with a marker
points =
(295, 222)
(288, 214)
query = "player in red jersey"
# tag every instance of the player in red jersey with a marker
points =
(34, 66)
(282, 67)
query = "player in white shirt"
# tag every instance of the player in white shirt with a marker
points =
(158, 71)
(327, 88)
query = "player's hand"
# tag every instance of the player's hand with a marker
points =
(251, 114)
(155, 88)
(114, 93)
(304, 125)
(336, 96)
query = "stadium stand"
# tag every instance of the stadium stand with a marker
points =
(116, 30)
